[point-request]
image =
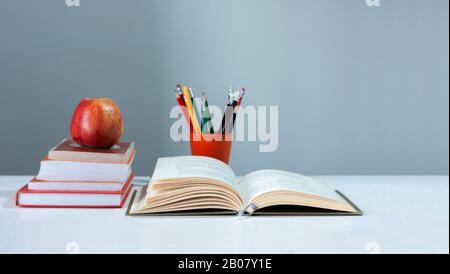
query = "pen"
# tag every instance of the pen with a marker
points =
(228, 115)
(238, 103)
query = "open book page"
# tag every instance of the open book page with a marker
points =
(194, 166)
(264, 181)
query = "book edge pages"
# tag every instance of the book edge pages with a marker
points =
(133, 203)
(358, 211)
(123, 186)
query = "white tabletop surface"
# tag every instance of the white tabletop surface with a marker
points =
(403, 214)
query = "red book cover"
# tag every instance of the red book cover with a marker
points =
(69, 150)
(123, 197)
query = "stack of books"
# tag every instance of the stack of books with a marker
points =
(75, 176)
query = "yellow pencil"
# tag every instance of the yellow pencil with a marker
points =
(187, 100)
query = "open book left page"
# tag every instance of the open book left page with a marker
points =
(190, 183)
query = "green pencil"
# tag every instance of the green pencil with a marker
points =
(207, 126)
(194, 105)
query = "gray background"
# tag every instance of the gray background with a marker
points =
(360, 90)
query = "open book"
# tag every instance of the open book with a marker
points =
(202, 185)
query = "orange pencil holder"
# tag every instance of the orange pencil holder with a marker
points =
(212, 145)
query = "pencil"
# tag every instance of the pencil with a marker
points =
(193, 117)
(207, 126)
(194, 105)
(182, 104)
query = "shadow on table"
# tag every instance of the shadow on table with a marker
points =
(140, 181)
(7, 199)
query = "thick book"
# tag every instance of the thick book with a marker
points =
(197, 185)
(72, 199)
(35, 184)
(69, 150)
(55, 170)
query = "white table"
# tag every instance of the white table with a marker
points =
(403, 214)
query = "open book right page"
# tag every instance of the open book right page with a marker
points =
(264, 181)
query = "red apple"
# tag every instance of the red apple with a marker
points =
(96, 123)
